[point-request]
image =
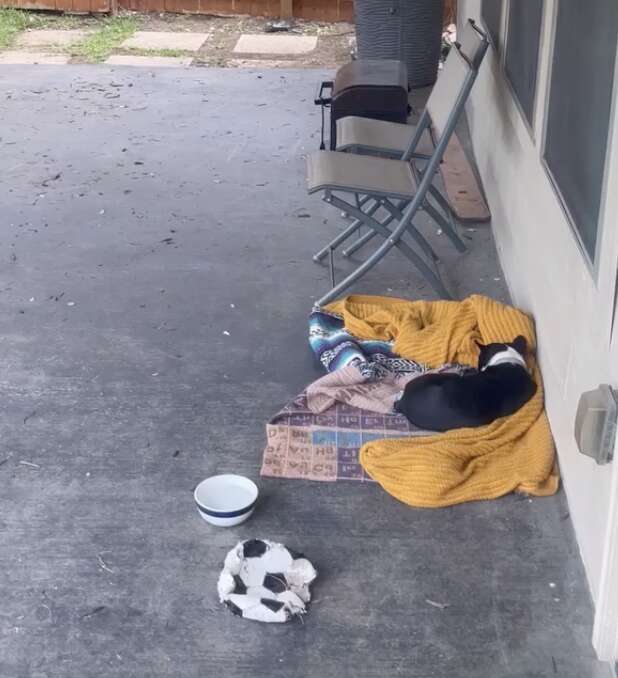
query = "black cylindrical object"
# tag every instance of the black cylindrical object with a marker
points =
(369, 88)
(409, 30)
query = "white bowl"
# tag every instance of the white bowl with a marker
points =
(226, 500)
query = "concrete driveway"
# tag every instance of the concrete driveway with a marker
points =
(154, 289)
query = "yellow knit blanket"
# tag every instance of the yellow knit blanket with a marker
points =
(514, 453)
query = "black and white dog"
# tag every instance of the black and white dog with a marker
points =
(440, 402)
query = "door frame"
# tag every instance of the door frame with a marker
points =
(605, 630)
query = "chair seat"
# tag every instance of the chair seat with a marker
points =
(355, 133)
(363, 174)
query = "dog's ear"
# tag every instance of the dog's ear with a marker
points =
(520, 345)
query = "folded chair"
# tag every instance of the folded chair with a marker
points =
(398, 186)
(365, 135)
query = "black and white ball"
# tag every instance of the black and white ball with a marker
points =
(265, 581)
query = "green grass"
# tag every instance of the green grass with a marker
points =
(98, 46)
(14, 21)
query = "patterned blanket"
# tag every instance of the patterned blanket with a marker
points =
(325, 446)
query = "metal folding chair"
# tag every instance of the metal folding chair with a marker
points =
(366, 135)
(369, 136)
(397, 186)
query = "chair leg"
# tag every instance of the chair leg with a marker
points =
(357, 244)
(391, 240)
(335, 242)
(447, 224)
(444, 223)
(345, 234)
(379, 254)
(364, 239)
(414, 232)
(441, 200)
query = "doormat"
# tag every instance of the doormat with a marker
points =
(326, 446)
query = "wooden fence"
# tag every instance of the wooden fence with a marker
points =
(317, 10)
(320, 10)
(72, 6)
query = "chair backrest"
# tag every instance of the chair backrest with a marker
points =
(445, 100)
(444, 106)
(451, 90)
(473, 43)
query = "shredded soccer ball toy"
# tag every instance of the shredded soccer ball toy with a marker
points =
(265, 581)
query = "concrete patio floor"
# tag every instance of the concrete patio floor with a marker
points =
(144, 214)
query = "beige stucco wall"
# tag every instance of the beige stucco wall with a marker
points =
(547, 274)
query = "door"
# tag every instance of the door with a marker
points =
(580, 155)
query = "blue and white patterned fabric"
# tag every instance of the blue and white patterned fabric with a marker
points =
(335, 347)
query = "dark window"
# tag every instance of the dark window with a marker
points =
(522, 51)
(491, 12)
(579, 109)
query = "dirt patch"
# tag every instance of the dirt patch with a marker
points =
(334, 40)
(334, 45)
